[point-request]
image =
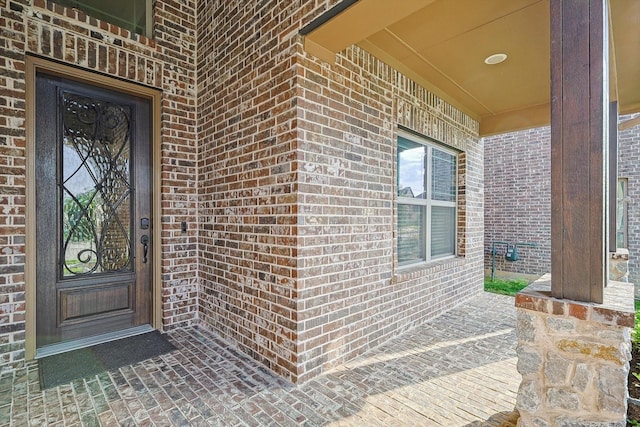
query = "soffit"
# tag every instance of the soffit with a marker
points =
(442, 45)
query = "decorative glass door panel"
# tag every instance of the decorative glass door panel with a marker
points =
(96, 187)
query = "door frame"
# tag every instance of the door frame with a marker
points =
(35, 64)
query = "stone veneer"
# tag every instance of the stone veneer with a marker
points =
(573, 357)
(619, 265)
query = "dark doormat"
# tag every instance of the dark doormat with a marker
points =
(85, 362)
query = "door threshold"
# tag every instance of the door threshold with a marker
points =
(51, 349)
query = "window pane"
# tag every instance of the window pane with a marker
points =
(128, 14)
(443, 229)
(443, 176)
(621, 214)
(411, 161)
(411, 229)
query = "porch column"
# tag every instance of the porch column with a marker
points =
(579, 134)
(573, 334)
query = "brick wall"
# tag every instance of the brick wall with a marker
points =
(166, 62)
(517, 198)
(297, 161)
(247, 176)
(629, 167)
(285, 177)
(352, 294)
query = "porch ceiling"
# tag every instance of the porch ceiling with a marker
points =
(442, 44)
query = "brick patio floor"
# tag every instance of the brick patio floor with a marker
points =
(457, 370)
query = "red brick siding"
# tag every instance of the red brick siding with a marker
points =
(12, 185)
(629, 167)
(248, 175)
(517, 198)
(285, 177)
(297, 161)
(352, 294)
(166, 62)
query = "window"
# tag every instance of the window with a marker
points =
(622, 230)
(133, 15)
(427, 200)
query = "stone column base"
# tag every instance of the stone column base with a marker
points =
(619, 265)
(573, 357)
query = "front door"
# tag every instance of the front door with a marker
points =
(93, 204)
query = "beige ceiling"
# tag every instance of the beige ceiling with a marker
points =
(442, 45)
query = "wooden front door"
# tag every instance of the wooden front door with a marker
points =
(93, 204)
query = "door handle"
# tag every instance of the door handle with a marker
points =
(145, 247)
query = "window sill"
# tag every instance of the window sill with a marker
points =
(422, 269)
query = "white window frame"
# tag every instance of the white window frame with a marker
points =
(622, 205)
(427, 201)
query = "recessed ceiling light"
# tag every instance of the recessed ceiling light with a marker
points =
(496, 58)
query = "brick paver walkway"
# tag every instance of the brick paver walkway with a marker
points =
(458, 370)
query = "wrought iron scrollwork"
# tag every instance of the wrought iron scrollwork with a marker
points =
(95, 186)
